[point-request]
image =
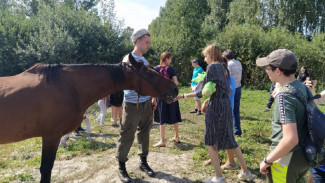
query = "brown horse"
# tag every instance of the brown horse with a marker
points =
(49, 101)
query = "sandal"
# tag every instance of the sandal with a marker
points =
(159, 144)
(229, 166)
(115, 125)
(207, 162)
(176, 140)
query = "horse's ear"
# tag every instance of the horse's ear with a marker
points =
(134, 62)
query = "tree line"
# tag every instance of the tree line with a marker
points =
(250, 28)
(87, 31)
(59, 32)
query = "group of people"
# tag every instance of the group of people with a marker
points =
(284, 163)
(219, 118)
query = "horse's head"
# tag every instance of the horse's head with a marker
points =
(148, 82)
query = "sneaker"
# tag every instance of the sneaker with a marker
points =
(267, 110)
(195, 111)
(80, 129)
(214, 180)
(63, 143)
(115, 125)
(199, 113)
(77, 133)
(229, 166)
(247, 176)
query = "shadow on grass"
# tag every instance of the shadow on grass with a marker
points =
(262, 140)
(165, 176)
(183, 146)
(256, 171)
(249, 118)
(104, 135)
(184, 120)
(82, 143)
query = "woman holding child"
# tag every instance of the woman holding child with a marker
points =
(218, 115)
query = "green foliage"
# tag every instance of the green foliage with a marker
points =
(250, 42)
(250, 28)
(242, 12)
(19, 177)
(62, 32)
(72, 31)
(177, 30)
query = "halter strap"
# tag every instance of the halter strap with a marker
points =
(139, 82)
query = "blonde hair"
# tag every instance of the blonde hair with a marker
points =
(276, 89)
(214, 52)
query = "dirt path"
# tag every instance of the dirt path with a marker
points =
(102, 168)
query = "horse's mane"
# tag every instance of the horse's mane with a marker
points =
(51, 72)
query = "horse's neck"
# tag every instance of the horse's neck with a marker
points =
(93, 84)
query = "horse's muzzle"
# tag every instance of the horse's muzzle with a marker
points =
(169, 98)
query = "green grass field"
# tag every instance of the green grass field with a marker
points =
(19, 160)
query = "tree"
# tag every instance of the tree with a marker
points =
(216, 18)
(177, 30)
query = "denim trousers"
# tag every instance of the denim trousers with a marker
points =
(319, 175)
(237, 129)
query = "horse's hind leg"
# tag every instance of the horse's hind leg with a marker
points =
(49, 148)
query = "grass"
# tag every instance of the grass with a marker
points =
(19, 160)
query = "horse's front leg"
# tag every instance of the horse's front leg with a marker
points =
(49, 148)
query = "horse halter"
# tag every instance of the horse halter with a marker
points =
(130, 66)
(139, 82)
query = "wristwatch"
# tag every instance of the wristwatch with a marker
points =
(267, 162)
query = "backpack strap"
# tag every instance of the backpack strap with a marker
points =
(298, 94)
(163, 71)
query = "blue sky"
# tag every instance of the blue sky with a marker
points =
(138, 14)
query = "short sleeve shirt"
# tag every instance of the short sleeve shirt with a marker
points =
(130, 96)
(235, 69)
(196, 71)
(288, 109)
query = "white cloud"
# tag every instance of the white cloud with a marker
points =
(138, 13)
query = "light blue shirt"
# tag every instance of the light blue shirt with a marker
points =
(232, 93)
(130, 96)
(196, 71)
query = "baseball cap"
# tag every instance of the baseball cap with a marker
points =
(138, 34)
(280, 58)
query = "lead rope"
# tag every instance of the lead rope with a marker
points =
(139, 86)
